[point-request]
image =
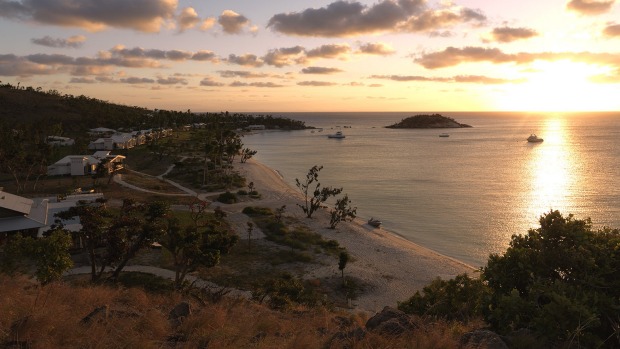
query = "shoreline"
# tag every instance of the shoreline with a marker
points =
(391, 267)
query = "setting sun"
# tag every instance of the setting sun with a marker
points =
(559, 86)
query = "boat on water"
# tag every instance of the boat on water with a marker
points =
(374, 222)
(444, 135)
(534, 139)
(338, 134)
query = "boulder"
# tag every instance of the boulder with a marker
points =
(390, 321)
(179, 313)
(482, 339)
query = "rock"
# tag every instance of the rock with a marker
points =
(390, 321)
(482, 339)
(100, 313)
(179, 313)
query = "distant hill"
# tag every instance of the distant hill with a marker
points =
(32, 106)
(428, 121)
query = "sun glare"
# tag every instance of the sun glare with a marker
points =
(560, 86)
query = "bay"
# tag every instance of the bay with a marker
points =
(464, 195)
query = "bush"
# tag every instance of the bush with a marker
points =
(462, 298)
(242, 192)
(227, 198)
(257, 211)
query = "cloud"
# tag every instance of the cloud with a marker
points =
(329, 51)
(431, 20)
(207, 24)
(93, 15)
(255, 84)
(452, 56)
(589, 7)
(82, 81)
(379, 48)
(172, 80)
(209, 82)
(612, 30)
(241, 74)
(187, 19)
(285, 56)
(12, 65)
(136, 80)
(76, 41)
(316, 83)
(247, 60)
(232, 22)
(320, 70)
(507, 34)
(346, 18)
(204, 55)
(477, 79)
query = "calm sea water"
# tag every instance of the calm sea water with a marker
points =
(466, 195)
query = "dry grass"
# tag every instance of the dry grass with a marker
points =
(51, 317)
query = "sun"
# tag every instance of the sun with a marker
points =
(560, 86)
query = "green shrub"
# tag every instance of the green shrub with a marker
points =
(242, 192)
(227, 198)
(257, 211)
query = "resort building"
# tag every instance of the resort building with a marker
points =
(81, 165)
(59, 141)
(33, 217)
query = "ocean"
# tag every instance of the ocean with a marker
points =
(465, 195)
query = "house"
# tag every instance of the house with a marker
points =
(15, 216)
(101, 131)
(115, 141)
(81, 165)
(59, 141)
(33, 217)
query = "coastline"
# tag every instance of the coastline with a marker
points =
(391, 267)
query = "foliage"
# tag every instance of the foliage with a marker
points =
(559, 280)
(247, 154)
(279, 213)
(257, 211)
(227, 198)
(49, 254)
(342, 212)
(196, 245)
(314, 198)
(462, 298)
(343, 259)
(285, 291)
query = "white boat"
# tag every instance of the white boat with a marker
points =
(444, 135)
(534, 139)
(336, 135)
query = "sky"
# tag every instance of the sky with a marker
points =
(302, 55)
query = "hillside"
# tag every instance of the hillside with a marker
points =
(428, 121)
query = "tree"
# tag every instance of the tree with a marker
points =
(247, 154)
(342, 212)
(560, 280)
(196, 245)
(49, 254)
(250, 229)
(278, 214)
(343, 259)
(95, 219)
(314, 198)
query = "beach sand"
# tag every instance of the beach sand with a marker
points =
(392, 268)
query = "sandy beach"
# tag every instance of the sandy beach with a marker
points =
(392, 268)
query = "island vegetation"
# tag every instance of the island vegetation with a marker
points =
(166, 269)
(428, 121)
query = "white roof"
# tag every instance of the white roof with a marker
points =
(101, 154)
(15, 203)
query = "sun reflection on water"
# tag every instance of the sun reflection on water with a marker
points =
(551, 170)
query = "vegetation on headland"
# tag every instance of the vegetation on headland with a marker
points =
(428, 121)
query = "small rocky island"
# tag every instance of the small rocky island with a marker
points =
(428, 121)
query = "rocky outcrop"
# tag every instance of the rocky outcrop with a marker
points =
(428, 121)
(482, 339)
(391, 321)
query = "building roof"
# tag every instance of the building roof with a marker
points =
(15, 203)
